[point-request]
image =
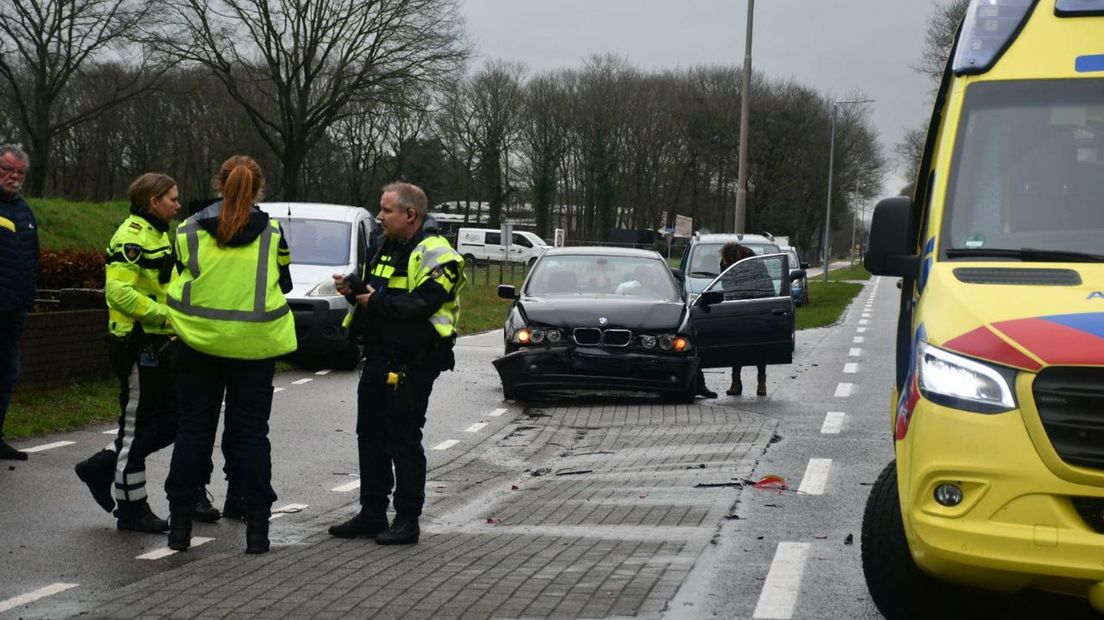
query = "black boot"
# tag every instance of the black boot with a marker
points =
(138, 517)
(364, 524)
(402, 532)
(11, 454)
(98, 472)
(256, 534)
(180, 531)
(203, 510)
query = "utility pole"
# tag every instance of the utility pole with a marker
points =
(740, 220)
(831, 162)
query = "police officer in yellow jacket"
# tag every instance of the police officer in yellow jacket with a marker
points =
(406, 316)
(139, 264)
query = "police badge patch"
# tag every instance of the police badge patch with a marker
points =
(132, 251)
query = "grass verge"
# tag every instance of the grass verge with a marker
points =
(66, 408)
(87, 225)
(826, 303)
(854, 272)
(481, 309)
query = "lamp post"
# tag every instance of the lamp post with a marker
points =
(740, 218)
(831, 163)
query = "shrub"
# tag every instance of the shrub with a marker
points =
(59, 269)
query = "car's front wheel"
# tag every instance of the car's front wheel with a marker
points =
(899, 588)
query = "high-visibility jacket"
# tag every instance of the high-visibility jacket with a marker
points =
(226, 301)
(138, 268)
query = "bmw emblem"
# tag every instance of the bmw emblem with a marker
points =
(603, 321)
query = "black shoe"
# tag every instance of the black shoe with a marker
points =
(363, 525)
(233, 507)
(98, 472)
(706, 392)
(203, 510)
(180, 532)
(256, 534)
(138, 517)
(401, 532)
(11, 454)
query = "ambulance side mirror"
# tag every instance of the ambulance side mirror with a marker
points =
(891, 252)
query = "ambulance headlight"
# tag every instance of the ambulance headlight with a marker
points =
(960, 382)
(325, 288)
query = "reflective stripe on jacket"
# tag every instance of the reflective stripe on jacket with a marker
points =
(138, 269)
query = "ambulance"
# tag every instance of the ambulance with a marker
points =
(998, 402)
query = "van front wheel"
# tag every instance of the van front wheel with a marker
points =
(469, 259)
(899, 588)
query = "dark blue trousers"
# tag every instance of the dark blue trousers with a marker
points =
(11, 329)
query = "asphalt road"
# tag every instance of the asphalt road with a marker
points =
(652, 542)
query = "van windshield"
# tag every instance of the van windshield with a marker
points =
(705, 260)
(317, 242)
(1027, 180)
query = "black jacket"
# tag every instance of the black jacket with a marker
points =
(18, 254)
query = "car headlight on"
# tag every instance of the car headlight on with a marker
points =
(324, 289)
(963, 383)
(647, 341)
(523, 336)
(680, 344)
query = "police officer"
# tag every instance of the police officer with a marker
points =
(406, 316)
(139, 264)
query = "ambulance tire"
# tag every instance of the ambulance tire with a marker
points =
(900, 590)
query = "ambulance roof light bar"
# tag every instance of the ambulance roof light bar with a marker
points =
(988, 29)
(1077, 8)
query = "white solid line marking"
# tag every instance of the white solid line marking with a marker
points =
(833, 422)
(165, 552)
(302, 381)
(854, 352)
(843, 390)
(49, 446)
(816, 477)
(475, 428)
(324, 372)
(850, 368)
(31, 597)
(498, 412)
(274, 390)
(783, 583)
(348, 486)
(864, 321)
(861, 330)
(858, 340)
(286, 510)
(445, 445)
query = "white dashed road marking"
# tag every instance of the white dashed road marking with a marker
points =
(816, 477)
(854, 352)
(165, 552)
(278, 389)
(858, 340)
(49, 446)
(113, 432)
(445, 445)
(865, 315)
(864, 321)
(324, 372)
(843, 390)
(302, 381)
(850, 368)
(31, 597)
(348, 486)
(475, 428)
(783, 582)
(498, 412)
(861, 330)
(833, 422)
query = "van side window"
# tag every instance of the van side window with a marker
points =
(521, 240)
(493, 238)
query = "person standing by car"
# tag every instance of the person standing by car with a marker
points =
(407, 317)
(18, 276)
(732, 253)
(140, 347)
(227, 305)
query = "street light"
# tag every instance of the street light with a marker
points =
(740, 218)
(831, 162)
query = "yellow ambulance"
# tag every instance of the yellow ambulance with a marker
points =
(998, 406)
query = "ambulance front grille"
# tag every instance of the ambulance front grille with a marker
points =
(1070, 401)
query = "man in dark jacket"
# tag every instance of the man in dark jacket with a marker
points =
(18, 276)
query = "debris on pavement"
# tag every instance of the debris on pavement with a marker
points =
(574, 472)
(712, 485)
(771, 482)
(849, 540)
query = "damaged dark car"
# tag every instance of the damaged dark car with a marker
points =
(613, 319)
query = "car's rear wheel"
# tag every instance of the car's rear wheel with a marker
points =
(899, 588)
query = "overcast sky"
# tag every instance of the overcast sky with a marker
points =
(841, 47)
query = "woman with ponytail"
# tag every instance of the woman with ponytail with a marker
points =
(227, 305)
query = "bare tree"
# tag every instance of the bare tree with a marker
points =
(544, 141)
(497, 101)
(44, 46)
(296, 66)
(942, 27)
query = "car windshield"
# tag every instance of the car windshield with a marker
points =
(794, 262)
(317, 242)
(591, 275)
(705, 258)
(1027, 179)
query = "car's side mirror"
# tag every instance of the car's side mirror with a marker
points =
(708, 298)
(507, 291)
(797, 274)
(804, 265)
(891, 251)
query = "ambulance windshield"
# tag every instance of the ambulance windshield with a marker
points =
(1028, 171)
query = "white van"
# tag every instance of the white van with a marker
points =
(324, 239)
(482, 244)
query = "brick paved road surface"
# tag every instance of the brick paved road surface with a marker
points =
(587, 509)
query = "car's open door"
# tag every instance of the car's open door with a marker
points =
(746, 315)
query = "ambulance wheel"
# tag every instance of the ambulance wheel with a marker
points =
(900, 590)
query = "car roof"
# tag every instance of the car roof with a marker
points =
(311, 210)
(598, 250)
(725, 238)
